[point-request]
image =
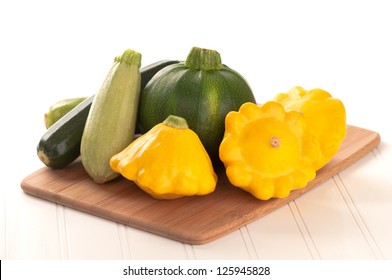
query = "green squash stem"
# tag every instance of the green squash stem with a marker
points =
(176, 122)
(203, 59)
(130, 57)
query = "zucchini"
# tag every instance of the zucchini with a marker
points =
(60, 144)
(111, 122)
(60, 108)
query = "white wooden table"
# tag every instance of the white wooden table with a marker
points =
(51, 51)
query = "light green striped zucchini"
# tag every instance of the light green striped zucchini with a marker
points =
(60, 108)
(110, 125)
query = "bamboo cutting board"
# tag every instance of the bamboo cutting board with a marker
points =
(193, 220)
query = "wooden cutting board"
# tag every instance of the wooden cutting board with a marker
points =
(193, 220)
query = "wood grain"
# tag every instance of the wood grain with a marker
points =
(192, 220)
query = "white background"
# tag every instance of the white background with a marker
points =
(50, 50)
(57, 49)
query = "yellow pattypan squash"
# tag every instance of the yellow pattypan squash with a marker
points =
(167, 162)
(325, 118)
(267, 151)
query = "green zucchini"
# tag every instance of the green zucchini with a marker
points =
(60, 144)
(60, 108)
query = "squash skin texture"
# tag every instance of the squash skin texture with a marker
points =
(267, 151)
(167, 162)
(203, 97)
(324, 116)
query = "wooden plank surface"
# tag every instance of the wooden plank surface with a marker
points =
(193, 220)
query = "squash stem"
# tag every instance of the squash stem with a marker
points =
(176, 122)
(203, 59)
(130, 57)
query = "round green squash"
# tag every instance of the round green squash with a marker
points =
(202, 90)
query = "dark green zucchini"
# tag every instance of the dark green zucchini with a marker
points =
(60, 144)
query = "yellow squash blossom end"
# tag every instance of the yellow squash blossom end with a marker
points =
(266, 150)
